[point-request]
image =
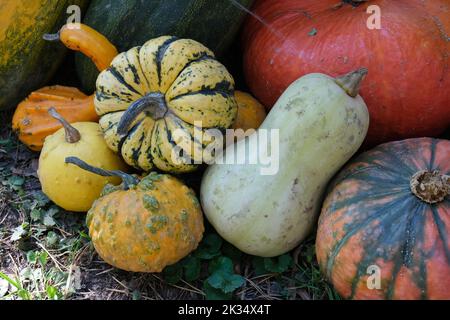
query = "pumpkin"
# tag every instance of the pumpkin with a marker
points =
(131, 23)
(145, 224)
(406, 93)
(70, 187)
(268, 208)
(164, 89)
(26, 61)
(32, 122)
(388, 211)
(250, 115)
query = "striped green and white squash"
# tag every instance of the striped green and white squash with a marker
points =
(149, 92)
(384, 230)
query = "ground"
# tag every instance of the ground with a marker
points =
(45, 252)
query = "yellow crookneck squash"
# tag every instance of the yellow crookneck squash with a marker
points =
(31, 120)
(151, 97)
(70, 187)
(145, 224)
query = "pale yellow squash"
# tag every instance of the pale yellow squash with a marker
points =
(267, 210)
(68, 186)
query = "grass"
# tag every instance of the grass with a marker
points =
(46, 253)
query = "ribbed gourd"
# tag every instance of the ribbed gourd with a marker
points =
(156, 97)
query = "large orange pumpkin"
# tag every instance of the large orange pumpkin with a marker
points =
(407, 89)
(387, 215)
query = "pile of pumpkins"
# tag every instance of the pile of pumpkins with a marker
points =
(387, 208)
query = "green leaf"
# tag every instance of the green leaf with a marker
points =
(225, 281)
(52, 239)
(31, 256)
(84, 235)
(35, 215)
(221, 264)
(48, 221)
(136, 295)
(215, 294)
(41, 199)
(209, 247)
(192, 268)
(43, 256)
(11, 281)
(258, 266)
(52, 293)
(173, 274)
(19, 232)
(279, 264)
(16, 181)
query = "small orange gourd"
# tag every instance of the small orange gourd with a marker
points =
(146, 223)
(251, 114)
(31, 120)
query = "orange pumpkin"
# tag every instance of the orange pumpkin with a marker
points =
(387, 216)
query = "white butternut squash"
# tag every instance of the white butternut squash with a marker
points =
(322, 122)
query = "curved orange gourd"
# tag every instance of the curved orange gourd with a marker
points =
(31, 120)
(33, 124)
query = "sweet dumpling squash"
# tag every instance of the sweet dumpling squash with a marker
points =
(149, 92)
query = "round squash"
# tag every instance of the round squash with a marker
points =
(70, 187)
(131, 23)
(388, 211)
(145, 224)
(26, 60)
(154, 93)
(407, 89)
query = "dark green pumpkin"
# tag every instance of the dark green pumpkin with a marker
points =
(126, 24)
(26, 60)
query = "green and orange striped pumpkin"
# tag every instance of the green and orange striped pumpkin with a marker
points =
(390, 208)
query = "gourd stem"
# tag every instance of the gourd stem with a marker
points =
(430, 186)
(351, 82)
(72, 134)
(51, 36)
(128, 179)
(153, 104)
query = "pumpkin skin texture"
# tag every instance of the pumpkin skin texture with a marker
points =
(165, 86)
(33, 124)
(407, 89)
(371, 217)
(70, 187)
(27, 61)
(251, 113)
(268, 214)
(131, 23)
(144, 224)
